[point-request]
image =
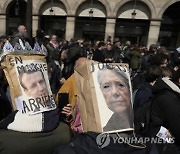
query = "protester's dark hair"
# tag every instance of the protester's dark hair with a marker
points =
(74, 53)
(152, 73)
(159, 58)
(2, 37)
(162, 50)
(100, 44)
(40, 33)
(153, 47)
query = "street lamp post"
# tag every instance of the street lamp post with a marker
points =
(51, 11)
(133, 14)
(91, 11)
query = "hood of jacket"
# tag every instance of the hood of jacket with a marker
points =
(165, 83)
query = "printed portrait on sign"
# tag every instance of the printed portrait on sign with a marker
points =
(113, 91)
(33, 83)
(34, 86)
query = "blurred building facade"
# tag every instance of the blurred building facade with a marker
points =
(140, 21)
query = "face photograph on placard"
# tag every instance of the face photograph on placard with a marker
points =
(33, 80)
(34, 85)
(112, 87)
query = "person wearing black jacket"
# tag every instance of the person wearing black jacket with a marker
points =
(96, 143)
(21, 37)
(5, 104)
(108, 53)
(144, 91)
(165, 112)
(5, 107)
(98, 53)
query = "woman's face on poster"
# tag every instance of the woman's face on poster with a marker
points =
(115, 90)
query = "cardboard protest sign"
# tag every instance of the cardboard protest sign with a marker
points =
(104, 97)
(28, 81)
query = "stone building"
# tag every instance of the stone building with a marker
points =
(141, 21)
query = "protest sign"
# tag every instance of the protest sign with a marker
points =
(104, 97)
(28, 80)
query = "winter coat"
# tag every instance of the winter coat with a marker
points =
(13, 142)
(18, 36)
(55, 74)
(109, 56)
(95, 143)
(98, 55)
(5, 106)
(69, 87)
(143, 94)
(134, 59)
(165, 109)
(118, 54)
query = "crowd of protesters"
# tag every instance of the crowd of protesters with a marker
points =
(148, 67)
